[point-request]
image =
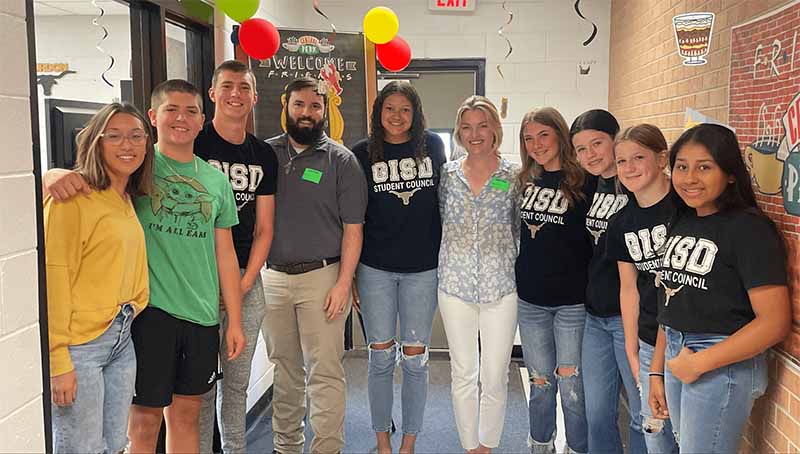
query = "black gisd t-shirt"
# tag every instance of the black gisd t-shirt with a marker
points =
(402, 226)
(637, 235)
(602, 289)
(551, 269)
(253, 171)
(710, 263)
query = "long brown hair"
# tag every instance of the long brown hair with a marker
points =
(89, 161)
(574, 176)
(417, 131)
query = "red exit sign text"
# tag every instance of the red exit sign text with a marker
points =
(451, 5)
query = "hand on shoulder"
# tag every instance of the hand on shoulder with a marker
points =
(62, 184)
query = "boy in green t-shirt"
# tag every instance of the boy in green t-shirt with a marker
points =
(191, 257)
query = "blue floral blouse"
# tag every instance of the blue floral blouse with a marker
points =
(480, 235)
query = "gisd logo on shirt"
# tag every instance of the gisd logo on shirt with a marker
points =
(686, 255)
(244, 180)
(604, 205)
(541, 206)
(646, 243)
(402, 177)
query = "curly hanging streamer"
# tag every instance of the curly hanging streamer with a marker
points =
(594, 27)
(508, 41)
(504, 100)
(98, 45)
(333, 27)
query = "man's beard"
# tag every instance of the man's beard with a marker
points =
(302, 134)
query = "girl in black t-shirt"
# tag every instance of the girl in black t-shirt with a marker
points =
(397, 274)
(724, 297)
(636, 238)
(605, 364)
(551, 276)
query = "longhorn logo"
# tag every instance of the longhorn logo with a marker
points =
(596, 235)
(670, 293)
(405, 196)
(534, 228)
(658, 277)
(48, 80)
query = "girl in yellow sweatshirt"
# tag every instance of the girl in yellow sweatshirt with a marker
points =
(97, 282)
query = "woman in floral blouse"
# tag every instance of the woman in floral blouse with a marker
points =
(477, 293)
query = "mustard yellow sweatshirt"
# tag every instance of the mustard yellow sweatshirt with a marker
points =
(96, 262)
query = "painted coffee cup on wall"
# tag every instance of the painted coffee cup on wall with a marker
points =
(764, 167)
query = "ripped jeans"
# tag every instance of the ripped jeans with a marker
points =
(657, 432)
(551, 339)
(385, 297)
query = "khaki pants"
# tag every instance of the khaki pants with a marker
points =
(307, 351)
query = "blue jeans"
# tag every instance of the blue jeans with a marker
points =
(385, 297)
(658, 434)
(551, 338)
(105, 368)
(710, 413)
(605, 364)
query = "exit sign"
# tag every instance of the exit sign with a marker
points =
(451, 5)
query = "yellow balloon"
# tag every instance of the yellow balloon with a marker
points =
(381, 25)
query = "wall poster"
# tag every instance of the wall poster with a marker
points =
(765, 103)
(339, 65)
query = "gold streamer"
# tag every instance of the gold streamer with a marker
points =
(504, 100)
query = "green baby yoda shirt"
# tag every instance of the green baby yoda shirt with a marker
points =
(189, 200)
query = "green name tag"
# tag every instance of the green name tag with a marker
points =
(314, 175)
(500, 184)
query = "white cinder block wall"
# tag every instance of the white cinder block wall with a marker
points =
(542, 70)
(21, 421)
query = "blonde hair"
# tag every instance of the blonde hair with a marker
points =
(574, 176)
(483, 104)
(89, 160)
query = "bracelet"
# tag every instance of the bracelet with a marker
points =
(656, 374)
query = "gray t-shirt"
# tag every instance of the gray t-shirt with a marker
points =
(319, 190)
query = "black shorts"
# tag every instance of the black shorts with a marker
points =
(173, 356)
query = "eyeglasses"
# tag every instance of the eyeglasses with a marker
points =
(115, 138)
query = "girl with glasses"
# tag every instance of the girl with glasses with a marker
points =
(97, 283)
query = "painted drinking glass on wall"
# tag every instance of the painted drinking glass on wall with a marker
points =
(693, 35)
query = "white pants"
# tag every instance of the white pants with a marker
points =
(479, 419)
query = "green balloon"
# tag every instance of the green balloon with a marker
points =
(238, 10)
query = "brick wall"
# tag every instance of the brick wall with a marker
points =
(21, 422)
(649, 83)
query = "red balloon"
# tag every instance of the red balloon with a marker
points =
(259, 38)
(394, 55)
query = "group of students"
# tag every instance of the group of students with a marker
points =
(620, 260)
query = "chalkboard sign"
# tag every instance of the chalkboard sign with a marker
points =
(339, 64)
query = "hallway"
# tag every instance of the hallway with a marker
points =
(440, 434)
